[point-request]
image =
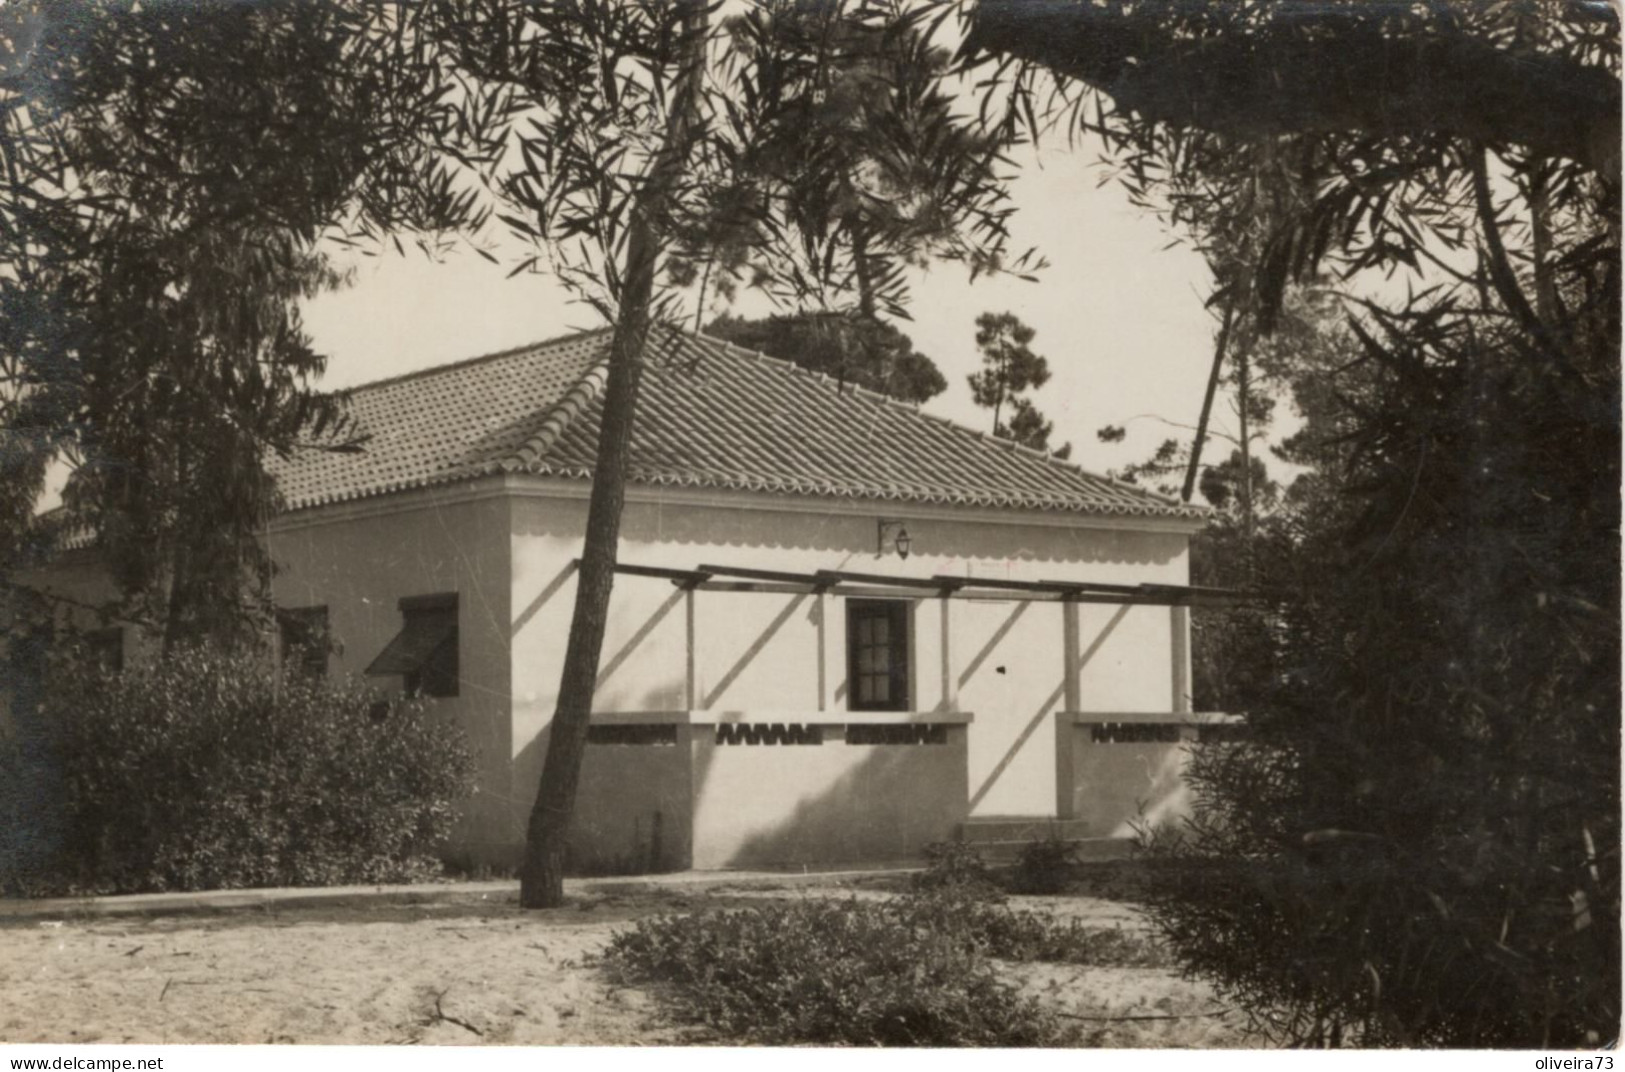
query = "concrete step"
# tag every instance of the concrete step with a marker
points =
(1023, 829)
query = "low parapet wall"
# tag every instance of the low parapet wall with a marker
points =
(1115, 771)
(709, 789)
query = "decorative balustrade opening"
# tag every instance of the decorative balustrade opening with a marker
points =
(633, 735)
(763, 733)
(1136, 733)
(897, 733)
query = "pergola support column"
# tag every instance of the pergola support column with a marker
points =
(691, 690)
(823, 599)
(1072, 685)
(1179, 622)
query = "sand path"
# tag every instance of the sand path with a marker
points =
(475, 972)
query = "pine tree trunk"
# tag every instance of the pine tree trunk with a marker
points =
(1207, 402)
(541, 880)
(541, 877)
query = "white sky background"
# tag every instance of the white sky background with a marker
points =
(1119, 316)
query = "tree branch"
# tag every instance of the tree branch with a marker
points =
(1501, 273)
(1207, 400)
(1316, 69)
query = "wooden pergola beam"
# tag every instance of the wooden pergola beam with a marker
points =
(1054, 588)
(681, 578)
(850, 577)
(814, 581)
(851, 583)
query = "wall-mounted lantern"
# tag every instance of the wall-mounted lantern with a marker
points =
(893, 536)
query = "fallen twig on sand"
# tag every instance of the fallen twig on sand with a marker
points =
(440, 1014)
(180, 982)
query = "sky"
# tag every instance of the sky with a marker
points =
(1118, 314)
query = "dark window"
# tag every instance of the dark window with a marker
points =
(877, 655)
(105, 648)
(305, 643)
(424, 652)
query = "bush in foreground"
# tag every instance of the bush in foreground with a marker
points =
(845, 973)
(915, 970)
(1044, 867)
(992, 929)
(956, 866)
(211, 771)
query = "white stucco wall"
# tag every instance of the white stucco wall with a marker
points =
(695, 801)
(757, 653)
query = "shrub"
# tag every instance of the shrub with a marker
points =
(833, 973)
(916, 970)
(956, 865)
(995, 930)
(209, 771)
(1044, 866)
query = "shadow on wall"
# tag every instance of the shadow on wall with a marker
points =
(1120, 787)
(545, 596)
(884, 805)
(645, 523)
(753, 649)
(675, 796)
(848, 529)
(608, 667)
(633, 801)
(1003, 733)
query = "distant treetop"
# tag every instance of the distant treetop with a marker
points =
(864, 352)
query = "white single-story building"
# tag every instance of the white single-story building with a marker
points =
(841, 629)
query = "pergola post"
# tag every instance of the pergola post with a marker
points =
(1072, 685)
(822, 596)
(1179, 621)
(691, 691)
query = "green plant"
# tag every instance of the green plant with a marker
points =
(995, 930)
(854, 973)
(208, 770)
(956, 864)
(1044, 866)
(914, 970)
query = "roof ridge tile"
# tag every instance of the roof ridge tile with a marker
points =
(563, 412)
(466, 362)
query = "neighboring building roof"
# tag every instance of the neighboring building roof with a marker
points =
(710, 415)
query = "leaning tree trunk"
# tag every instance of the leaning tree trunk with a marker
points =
(1195, 464)
(541, 877)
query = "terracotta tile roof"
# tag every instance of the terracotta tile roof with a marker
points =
(711, 415)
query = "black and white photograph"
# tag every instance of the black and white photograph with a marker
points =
(1077, 526)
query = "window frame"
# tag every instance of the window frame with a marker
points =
(899, 645)
(443, 681)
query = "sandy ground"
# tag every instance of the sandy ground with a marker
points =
(469, 972)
